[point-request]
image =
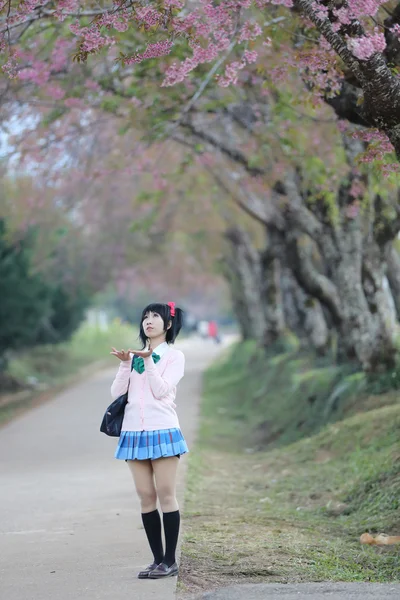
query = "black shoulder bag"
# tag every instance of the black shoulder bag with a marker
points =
(114, 415)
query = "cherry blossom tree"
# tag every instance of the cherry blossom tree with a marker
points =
(347, 49)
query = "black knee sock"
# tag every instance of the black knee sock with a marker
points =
(152, 526)
(171, 530)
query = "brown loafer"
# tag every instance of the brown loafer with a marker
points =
(164, 570)
(145, 573)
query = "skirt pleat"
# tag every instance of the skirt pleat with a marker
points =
(142, 445)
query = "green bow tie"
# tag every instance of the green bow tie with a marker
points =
(138, 362)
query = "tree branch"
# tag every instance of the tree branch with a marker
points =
(387, 220)
(307, 276)
(231, 153)
(393, 275)
(324, 26)
(296, 208)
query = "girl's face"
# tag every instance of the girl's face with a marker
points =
(153, 325)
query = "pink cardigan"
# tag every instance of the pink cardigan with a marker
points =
(152, 393)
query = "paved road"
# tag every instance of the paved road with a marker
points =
(70, 524)
(306, 591)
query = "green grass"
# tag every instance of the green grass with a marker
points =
(271, 500)
(278, 399)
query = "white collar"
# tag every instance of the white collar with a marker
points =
(161, 349)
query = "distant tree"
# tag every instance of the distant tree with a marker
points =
(25, 299)
(33, 309)
(66, 312)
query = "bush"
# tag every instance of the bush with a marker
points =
(24, 299)
(33, 311)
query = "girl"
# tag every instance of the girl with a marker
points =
(151, 441)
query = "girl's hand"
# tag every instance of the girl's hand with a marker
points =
(121, 354)
(144, 353)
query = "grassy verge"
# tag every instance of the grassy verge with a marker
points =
(45, 369)
(280, 488)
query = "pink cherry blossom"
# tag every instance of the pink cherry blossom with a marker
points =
(152, 51)
(92, 85)
(396, 30)
(64, 7)
(60, 54)
(74, 103)
(353, 210)
(389, 168)
(149, 16)
(10, 67)
(366, 46)
(250, 56)
(250, 31)
(174, 3)
(38, 73)
(357, 190)
(54, 91)
(92, 39)
(362, 8)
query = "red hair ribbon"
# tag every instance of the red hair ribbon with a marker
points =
(172, 307)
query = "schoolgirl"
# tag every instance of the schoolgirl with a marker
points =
(151, 440)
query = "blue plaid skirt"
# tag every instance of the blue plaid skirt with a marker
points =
(142, 445)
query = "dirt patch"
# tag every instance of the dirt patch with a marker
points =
(323, 456)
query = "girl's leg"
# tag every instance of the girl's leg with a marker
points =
(165, 470)
(143, 477)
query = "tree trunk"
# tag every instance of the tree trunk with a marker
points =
(271, 294)
(240, 307)
(255, 288)
(304, 315)
(393, 275)
(379, 296)
(364, 333)
(244, 261)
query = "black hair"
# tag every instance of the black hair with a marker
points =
(164, 311)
